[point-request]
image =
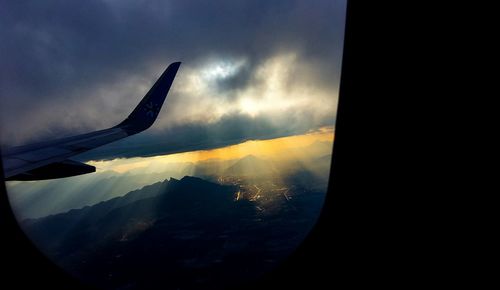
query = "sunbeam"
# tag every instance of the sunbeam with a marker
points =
(117, 177)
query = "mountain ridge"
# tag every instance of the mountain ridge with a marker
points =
(188, 231)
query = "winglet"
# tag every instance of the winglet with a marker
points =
(144, 115)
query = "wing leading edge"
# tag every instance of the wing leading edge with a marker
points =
(49, 160)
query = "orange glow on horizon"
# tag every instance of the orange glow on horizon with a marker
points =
(272, 148)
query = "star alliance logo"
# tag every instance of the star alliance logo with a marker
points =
(152, 109)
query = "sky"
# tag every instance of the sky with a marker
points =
(250, 70)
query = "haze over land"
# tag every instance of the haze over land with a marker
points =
(273, 158)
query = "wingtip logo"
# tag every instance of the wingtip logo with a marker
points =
(151, 109)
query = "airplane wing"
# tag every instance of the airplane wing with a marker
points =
(49, 160)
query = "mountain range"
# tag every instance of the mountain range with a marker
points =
(35, 199)
(175, 234)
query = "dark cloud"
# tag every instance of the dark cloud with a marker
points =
(229, 130)
(242, 78)
(68, 67)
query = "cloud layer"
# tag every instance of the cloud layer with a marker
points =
(250, 68)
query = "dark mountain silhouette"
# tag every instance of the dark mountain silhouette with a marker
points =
(54, 232)
(85, 190)
(29, 200)
(175, 234)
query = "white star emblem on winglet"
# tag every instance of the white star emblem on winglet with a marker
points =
(151, 110)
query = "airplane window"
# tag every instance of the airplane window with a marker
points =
(169, 144)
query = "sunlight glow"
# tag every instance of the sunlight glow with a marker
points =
(275, 158)
(281, 85)
(279, 148)
(221, 69)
